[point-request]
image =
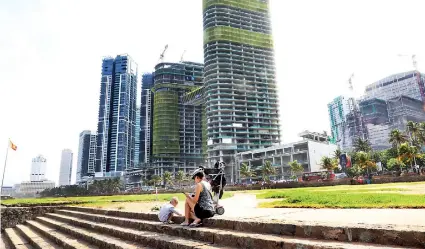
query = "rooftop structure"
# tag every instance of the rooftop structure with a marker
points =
(409, 84)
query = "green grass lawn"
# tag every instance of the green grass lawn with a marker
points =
(357, 196)
(101, 200)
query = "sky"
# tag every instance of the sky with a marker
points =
(51, 53)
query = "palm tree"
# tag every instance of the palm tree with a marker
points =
(337, 155)
(179, 177)
(397, 138)
(408, 153)
(364, 162)
(167, 178)
(296, 167)
(360, 144)
(246, 172)
(267, 171)
(156, 180)
(414, 131)
(328, 163)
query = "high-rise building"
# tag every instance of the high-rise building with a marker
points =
(65, 168)
(86, 154)
(241, 90)
(117, 116)
(38, 169)
(177, 127)
(146, 121)
(138, 130)
(409, 84)
(346, 121)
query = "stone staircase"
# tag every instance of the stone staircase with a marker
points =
(77, 227)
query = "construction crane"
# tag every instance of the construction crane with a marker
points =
(181, 58)
(350, 83)
(161, 56)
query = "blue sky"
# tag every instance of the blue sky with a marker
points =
(52, 49)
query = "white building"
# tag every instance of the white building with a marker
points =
(308, 152)
(65, 167)
(33, 188)
(86, 154)
(38, 169)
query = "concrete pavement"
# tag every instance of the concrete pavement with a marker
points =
(244, 207)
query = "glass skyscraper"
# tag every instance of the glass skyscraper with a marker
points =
(117, 116)
(146, 121)
(241, 90)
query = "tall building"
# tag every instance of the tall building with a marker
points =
(86, 154)
(146, 120)
(241, 90)
(409, 84)
(117, 116)
(65, 168)
(177, 127)
(138, 129)
(38, 169)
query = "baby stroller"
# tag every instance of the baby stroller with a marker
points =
(215, 177)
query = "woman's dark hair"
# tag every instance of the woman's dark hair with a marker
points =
(200, 174)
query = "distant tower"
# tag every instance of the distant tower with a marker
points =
(86, 154)
(65, 168)
(38, 169)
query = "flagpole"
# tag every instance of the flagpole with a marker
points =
(4, 167)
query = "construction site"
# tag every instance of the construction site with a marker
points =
(386, 105)
(177, 127)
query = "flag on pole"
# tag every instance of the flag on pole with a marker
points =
(13, 146)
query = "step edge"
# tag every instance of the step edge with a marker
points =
(284, 240)
(344, 237)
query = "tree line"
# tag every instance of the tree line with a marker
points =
(405, 152)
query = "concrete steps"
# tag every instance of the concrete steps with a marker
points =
(84, 228)
(216, 236)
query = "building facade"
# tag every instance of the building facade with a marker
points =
(146, 120)
(177, 128)
(138, 129)
(338, 110)
(86, 154)
(117, 116)
(241, 91)
(308, 152)
(33, 188)
(65, 170)
(38, 169)
(409, 84)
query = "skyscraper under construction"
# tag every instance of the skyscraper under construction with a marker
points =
(240, 86)
(177, 127)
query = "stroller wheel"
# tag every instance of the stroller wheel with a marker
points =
(220, 210)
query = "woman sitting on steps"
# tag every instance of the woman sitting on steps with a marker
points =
(201, 203)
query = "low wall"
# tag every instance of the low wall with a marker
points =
(11, 216)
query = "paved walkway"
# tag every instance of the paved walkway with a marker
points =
(243, 206)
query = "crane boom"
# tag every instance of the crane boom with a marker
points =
(161, 56)
(181, 58)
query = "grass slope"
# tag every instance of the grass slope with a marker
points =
(100, 199)
(364, 196)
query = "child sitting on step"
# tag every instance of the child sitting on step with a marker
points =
(168, 211)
